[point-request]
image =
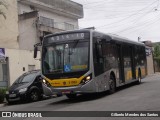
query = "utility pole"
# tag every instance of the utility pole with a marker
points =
(139, 38)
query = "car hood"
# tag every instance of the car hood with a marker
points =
(19, 86)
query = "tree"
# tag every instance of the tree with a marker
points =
(2, 3)
(157, 50)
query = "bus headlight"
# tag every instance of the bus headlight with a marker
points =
(86, 79)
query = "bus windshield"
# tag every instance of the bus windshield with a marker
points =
(66, 57)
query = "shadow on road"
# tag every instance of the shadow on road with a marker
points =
(25, 102)
(81, 98)
(93, 96)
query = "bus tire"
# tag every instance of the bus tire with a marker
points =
(112, 85)
(71, 96)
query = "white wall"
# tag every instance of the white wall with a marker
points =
(9, 26)
(150, 66)
(19, 59)
(23, 8)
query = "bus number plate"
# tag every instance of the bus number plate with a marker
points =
(72, 82)
(66, 92)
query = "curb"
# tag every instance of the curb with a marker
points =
(2, 105)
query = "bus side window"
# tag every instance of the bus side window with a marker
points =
(110, 56)
(99, 48)
(98, 57)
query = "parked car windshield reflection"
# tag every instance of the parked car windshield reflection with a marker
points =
(25, 78)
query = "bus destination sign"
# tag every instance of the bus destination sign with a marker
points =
(65, 37)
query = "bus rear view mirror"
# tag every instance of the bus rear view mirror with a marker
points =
(36, 46)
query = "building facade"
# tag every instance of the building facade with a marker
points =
(149, 56)
(38, 18)
(24, 24)
(8, 38)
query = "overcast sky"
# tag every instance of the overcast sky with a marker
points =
(127, 18)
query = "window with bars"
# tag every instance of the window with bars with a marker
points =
(46, 21)
(68, 26)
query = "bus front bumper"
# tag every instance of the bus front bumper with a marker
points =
(80, 89)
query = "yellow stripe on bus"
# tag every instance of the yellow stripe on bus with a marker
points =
(136, 73)
(143, 72)
(65, 82)
(129, 75)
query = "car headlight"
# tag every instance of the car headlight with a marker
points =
(23, 90)
(7, 92)
(46, 83)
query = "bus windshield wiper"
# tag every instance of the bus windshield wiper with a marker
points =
(58, 70)
(75, 45)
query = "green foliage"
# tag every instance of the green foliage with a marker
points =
(2, 94)
(157, 51)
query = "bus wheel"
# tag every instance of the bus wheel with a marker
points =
(71, 96)
(112, 85)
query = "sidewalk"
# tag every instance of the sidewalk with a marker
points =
(156, 73)
(3, 104)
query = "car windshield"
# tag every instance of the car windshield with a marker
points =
(66, 57)
(25, 78)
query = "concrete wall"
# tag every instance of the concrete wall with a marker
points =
(62, 7)
(22, 8)
(150, 66)
(59, 19)
(19, 59)
(27, 34)
(9, 26)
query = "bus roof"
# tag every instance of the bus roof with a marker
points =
(123, 39)
(113, 37)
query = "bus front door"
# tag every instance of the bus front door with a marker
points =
(120, 64)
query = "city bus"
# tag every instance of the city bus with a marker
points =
(86, 61)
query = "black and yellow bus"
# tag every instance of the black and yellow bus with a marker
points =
(87, 61)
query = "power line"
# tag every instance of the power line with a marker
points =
(136, 20)
(117, 15)
(128, 16)
(112, 4)
(141, 26)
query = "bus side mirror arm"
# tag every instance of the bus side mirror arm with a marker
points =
(36, 50)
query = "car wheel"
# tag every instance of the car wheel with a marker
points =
(9, 102)
(112, 85)
(71, 96)
(34, 95)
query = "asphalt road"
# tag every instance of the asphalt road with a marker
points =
(143, 97)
